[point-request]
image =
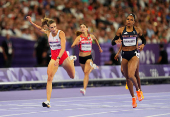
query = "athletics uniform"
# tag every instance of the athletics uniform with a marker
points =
(129, 39)
(55, 45)
(85, 45)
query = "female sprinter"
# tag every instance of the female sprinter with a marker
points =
(84, 40)
(136, 73)
(57, 42)
(130, 59)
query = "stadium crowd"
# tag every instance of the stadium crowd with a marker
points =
(103, 17)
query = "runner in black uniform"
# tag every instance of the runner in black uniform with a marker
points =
(129, 37)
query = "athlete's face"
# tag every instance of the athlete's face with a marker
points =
(52, 27)
(83, 28)
(130, 21)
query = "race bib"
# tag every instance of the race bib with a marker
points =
(55, 45)
(129, 41)
(86, 47)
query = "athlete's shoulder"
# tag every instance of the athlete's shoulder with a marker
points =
(138, 29)
(121, 28)
(61, 32)
(91, 35)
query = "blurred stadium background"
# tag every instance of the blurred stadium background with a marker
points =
(103, 17)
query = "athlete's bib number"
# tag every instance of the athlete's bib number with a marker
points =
(55, 46)
(86, 47)
(131, 41)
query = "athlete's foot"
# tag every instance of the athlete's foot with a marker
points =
(126, 87)
(142, 95)
(73, 57)
(139, 95)
(134, 104)
(83, 91)
(46, 104)
(94, 65)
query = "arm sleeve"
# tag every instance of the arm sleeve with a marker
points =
(113, 41)
(143, 39)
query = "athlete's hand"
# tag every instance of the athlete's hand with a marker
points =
(116, 57)
(56, 62)
(29, 18)
(100, 50)
(141, 47)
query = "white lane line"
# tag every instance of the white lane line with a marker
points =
(92, 96)
(158, 103)
(158, 115)
(94, 114)
(14, 108)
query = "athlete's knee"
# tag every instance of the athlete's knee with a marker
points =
(86, 72)
(130, 75)
(50, 77)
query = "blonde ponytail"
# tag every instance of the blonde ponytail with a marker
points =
(47, 21)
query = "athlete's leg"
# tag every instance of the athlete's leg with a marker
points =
(68, 65)
(87, 69)
(137, 76)
(51, 70)
(129, 82)
(132, 66)
(126, 87)
(122, 69)
(138, 80)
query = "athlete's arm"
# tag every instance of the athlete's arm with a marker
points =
(142, 38)
(116, 56)
(36, 26)
(119, 49)
(63, 43)
(118, 33)
(94, 38)
(76, 42)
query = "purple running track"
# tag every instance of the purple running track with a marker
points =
(98, 102)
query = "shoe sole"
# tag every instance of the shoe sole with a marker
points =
(135, 106)
(45, 105)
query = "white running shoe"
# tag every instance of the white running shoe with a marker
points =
(83, 91)
(94, 65)
(46, 104)
(73, 57)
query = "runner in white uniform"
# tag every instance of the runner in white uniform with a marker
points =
(59, 56)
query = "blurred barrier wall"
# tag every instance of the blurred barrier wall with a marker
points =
(23, 53)
(39, 74)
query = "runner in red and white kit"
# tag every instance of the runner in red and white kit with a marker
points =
(57, 42)
(84, 40)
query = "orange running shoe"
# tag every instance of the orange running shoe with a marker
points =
(134, 104)
(126, 87)
(139, 95)
(142, 95)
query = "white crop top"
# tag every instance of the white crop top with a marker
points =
(54, 42)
